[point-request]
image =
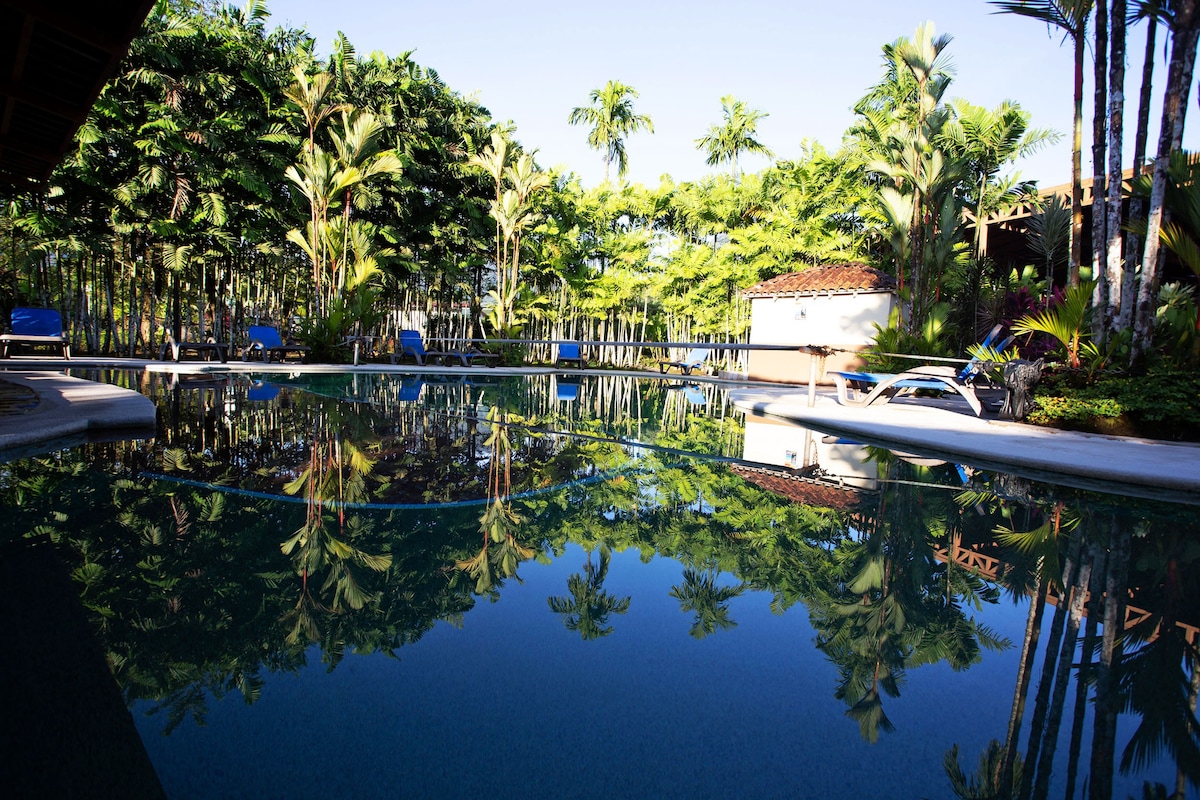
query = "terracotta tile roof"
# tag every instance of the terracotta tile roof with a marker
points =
(826, 278)
(801, 489)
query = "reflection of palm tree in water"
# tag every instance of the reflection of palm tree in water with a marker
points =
(699, 594)
(335, 475)
(500, 552)
(1142, 669)
(588, 607)
(891, 606)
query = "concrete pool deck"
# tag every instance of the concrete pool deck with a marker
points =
(946, 428)
(72, 410)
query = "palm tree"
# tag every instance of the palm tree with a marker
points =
(1110, 267)
(612, 119)
(989, 139)
(1070, 16)
(1121, 297)
(724, 143)
(1049, 234)
(900, 135)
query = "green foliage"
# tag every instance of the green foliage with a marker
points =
(1175, 331)
(326, 336)
(931, 339)
(1164, 403)
(1050, 234)
(1066, 322)
(983, 784)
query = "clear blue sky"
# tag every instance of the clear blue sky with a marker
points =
(804, 63)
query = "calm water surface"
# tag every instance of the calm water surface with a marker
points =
(369, 585)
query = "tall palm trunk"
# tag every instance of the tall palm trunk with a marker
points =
(1076, 254)
(1042, 703)
(1104, 723)
(1075, 591)
(1137, 207)
(1099, 145)
(1033, 630)
(1087, 651)
(1112, 266)
(1179, 82)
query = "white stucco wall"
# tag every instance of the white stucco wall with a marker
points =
(839, 319)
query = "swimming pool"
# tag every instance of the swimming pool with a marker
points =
(557, 586)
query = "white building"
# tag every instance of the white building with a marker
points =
(835, 306)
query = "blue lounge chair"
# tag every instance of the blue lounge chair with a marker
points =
(410, 390)
(262, 392)
(568, 353)
(267, 345)
(412, 346)
(693, 360)
(35, 327)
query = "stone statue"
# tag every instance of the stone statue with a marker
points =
(1020, 376)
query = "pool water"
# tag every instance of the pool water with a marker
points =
(383, 585)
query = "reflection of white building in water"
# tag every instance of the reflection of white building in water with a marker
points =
(805, 465)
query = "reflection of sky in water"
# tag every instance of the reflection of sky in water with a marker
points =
(515, 705)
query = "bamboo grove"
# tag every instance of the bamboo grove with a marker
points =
(229, 175)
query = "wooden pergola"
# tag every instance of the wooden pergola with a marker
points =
(55, 57)
(1002, 236)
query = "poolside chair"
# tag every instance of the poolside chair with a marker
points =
(35, 327)
(568, 353)
(203, 350)
(410, 390)
(691, 392)
(267, 345)
(866, 388)
(693, 360)
(412, 346)
(469, 356)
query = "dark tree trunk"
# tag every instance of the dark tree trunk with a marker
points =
(1099, 195)
(1179, 81)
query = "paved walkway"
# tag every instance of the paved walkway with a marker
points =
(946, 428)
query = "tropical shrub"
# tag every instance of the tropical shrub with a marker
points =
(931, 339)
(1066, 322)
(1163, 404)
(1175, 330)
